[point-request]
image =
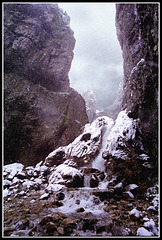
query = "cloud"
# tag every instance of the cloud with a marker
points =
(97, 62)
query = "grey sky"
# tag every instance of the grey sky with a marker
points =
(97, 62)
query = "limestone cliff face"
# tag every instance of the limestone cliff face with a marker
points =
(137, 31)
(41, 111)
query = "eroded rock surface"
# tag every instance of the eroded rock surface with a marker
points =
(42, 112)
(137, 31)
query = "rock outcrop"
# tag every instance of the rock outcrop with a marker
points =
(91, 104)
(41, 111)
(137, 31)
(114, 109)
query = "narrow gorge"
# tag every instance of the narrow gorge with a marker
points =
(65, 174)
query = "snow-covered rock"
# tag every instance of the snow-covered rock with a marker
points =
(128, 195)
(144, 232)
(85, 147)
(153, 196)
(133, 188)
(12, 169)
(91, 103)
(123, 130)
(66, 175)
(44, 196)
(89, 142)
(135, 214)
(56, 157)
(151, 226)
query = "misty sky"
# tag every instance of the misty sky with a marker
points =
(97, 62)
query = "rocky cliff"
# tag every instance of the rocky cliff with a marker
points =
(41, 111)
(137, 31)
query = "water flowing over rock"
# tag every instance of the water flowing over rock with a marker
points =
(85, 147)
(41, 111)
(98, 180)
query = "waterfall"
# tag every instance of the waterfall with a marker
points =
(99, 162)
(86, 181)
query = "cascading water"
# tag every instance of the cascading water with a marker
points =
(99, 162)
(84, 197)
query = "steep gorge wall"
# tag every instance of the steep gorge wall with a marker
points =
(41, 111)
(137, 31)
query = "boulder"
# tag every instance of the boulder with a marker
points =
(66, 175)
(94, 181)
(135, 214)
(55, 158)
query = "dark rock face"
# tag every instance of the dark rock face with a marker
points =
(41, 111)
(38, 44)
(137, 31)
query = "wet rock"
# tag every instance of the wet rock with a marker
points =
(59, 217)
(152, 209)
(60, 196)
(101, 176)
(46, 220)
(81, 209)
(103, 226)
(50, 228)
(128, 195)
(77, 201)
(9, 230)
(21, 225)
(57, 203)
(60, 231)
(69, 225)
(89, 224)
(94, 181)
(105, 194)
(120, 231)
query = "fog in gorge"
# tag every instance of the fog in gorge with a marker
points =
(97, 62)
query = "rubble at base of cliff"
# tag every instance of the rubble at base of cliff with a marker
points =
(70, 198)
(33, 206)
